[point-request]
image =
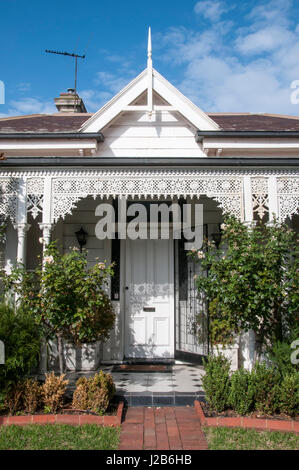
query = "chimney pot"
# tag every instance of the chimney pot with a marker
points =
(70, 102)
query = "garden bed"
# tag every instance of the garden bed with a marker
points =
(67, 416)
(231, 419)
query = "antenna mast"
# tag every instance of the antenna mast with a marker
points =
(76, 57)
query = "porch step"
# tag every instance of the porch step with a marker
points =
(149, 398)
(178, 387)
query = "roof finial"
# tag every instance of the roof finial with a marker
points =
(149, 49)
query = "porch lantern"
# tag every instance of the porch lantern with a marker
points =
(217, 238)
(81, 237)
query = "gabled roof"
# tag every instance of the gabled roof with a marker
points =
(69, 122)
(255, 122)
(39, 123)
(135, 88)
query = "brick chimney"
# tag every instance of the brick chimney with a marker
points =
(70, 102)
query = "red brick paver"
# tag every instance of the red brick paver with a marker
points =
(169, 428)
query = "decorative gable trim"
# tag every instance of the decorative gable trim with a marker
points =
(116, 105)
(182, 104)
(177, 101)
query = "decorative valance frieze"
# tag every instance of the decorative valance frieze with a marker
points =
(227, 191)
(259, 191)
(9, 187)
(288, 197)
(35, 196)
(93, 172)
(66, 187)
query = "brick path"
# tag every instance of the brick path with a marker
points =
(169, 428)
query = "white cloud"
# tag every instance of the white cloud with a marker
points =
(112, 82)
(265, 40)
(220, 66)
(23, 86)
(30, 106)
(94, 99)
(107, 85)
(271, 12)
(232, 69)
(210, 10)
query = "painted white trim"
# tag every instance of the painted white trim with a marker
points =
(134, 89)
(78, 172)
(188, 109)
(47, 200)
(250, 143)
(115, 106)
(248, 213)
(22, 202)
(272, 197)
(51, 144)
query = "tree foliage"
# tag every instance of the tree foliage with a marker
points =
(67, 298)
(251, 282)
(21, 338)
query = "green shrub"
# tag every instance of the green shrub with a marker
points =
(265, 381)
(241, 397)
(24, 395)
(68, 298)
(53, 391)
(288, 394)
(13, 401)
(94, 394)
(32, 395)
(216, 382)
(21, 338)
(255, 285)
(280, 356)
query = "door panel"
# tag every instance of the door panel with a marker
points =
(138, 332)
(149, 299)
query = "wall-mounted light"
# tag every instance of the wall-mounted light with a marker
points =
(217, 238)
(81, 237)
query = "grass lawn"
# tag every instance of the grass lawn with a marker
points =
(250, 439)
(58, 437)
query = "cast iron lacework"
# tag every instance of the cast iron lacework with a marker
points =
(192, 304)
(115, 281)
(35, 196)
(259, 189)
(288, 197)
(9, 198)
(224, 187)
(183, 271)
(193, 314)
(227, 191)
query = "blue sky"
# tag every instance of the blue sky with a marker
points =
(226, 56)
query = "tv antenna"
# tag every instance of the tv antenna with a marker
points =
(76, 57)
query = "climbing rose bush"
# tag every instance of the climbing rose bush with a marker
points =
(251, 282)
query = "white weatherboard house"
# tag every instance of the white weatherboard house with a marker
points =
(149, 143)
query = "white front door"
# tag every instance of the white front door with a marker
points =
(149, 299)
